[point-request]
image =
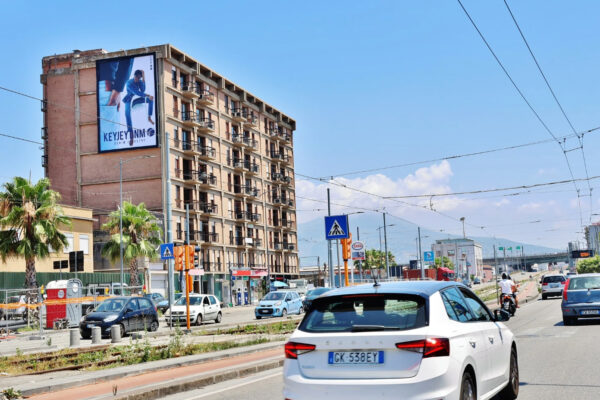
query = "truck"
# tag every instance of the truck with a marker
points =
(439, 274)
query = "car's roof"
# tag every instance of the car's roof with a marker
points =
(422, 288)
(588, 274)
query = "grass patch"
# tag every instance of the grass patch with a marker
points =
(276, 328)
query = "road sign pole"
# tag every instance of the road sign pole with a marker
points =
(387, 264)
(497, 272)
(330, 258)
(421, 254)
(360, 273)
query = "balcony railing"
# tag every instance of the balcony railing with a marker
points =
(209, 266)
(206, 237)
(289, 224)
(274, 132)
(206, 151)
(205, 124)
(257, 266)
(186, 175)
(237, 241)
(207, 179)
(289, 246)
(44, 160)
(256, 242)
(252, 167)
(251, 191)
(238, 114)
(190, 89)
(206, 97)
(276, 176)
(208, 208)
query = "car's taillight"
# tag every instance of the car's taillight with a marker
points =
(432, 347)
(565, 295)
(545, 284)
(293, 349)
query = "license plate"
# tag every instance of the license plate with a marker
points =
(90, 326)
(590, 312)
(356, 357)
(264, 311)
(554, 285)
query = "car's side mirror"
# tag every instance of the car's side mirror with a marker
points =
(501, 315)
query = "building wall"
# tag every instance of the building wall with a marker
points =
(81, 227)
(593, 238)
(93, 178)
(466, 255)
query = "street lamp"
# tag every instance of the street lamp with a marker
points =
(462, 219)
(121, 162)
(387, 266)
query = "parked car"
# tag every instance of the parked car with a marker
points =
(476, 281)
(581, 298)
(467, 283)
(203, 307)
(163, 305)
(570, 274)
(279, 304)
(129, 313)
(155, 297)
(313, 294)
(410, 340)
(552, 285)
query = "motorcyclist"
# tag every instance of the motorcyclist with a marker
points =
(509, 288)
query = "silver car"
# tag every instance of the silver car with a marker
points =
(553, 285)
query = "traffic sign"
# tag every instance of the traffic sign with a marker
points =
(336, 227)
(428, 256)
(166, 251)
(358, 251)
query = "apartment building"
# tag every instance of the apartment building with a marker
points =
(184, 140)
(466, 254)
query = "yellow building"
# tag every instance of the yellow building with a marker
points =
(79, 236)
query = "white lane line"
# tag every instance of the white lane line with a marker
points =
(237, 386)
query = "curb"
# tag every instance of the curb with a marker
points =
(50, 384)
(180, 385)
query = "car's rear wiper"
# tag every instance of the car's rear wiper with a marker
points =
(367, 328)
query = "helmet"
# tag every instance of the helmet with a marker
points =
(504, 275)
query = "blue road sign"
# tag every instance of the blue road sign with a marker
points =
(166, 251)
(428, 256)
(336, 227)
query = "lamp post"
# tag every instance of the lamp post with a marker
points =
(121, 162)
(384, 227)
(462, 219)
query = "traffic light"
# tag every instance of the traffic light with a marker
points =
(191, 259)
(179, 254)
(346, 248)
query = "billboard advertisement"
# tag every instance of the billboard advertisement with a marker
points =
(126, 101)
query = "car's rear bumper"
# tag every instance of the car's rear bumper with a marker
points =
(440, 382)
(578, 310)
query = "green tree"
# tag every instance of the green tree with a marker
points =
(444, 262)
(375, 259)
(141, 237)
(589, 265)
(30, 218)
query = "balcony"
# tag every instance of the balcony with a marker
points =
(186, 146)
(250, 143)
(285, 136)
(239, 190)
(45, 162)
(186, 175)
(251, 167)
(238, 241)
(208, 208)
(44, 133)
(274, 132)
(207, 179)
(287, 180)
(286, 202)
(278, 246)
(206, 237)
(256, 242)
(188, 118)
(205, 125)
(237, 139)
(190, 90)
(246, 215)
(205, 98)
(237, 164)
(206, 152)
(287, 224)
(289, 246)
(251, 191)
(251, 121)
(276, 176)
(237, 114)
(257, 266)
(181, 204)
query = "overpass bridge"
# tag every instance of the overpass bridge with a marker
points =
(528, 259)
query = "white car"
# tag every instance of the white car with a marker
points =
(419, 340)
(203, 307)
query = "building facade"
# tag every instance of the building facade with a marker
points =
(466, 254)
(211, 150)
(80, 237)
(592, 233)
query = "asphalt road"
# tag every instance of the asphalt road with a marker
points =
(556, 361)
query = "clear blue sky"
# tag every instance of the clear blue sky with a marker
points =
(369, 83)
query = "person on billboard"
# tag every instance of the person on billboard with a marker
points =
(112, 77)
(136, 87)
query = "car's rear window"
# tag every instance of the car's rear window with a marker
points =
(359, 313)
(554, 279)
(584, 282)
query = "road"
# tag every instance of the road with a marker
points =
(556, 361)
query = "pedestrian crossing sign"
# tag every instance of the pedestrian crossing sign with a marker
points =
(166, 251)
(336, 227)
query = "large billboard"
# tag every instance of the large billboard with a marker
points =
(126, 103)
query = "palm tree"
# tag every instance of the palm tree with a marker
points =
(141, 237)
(30, 217)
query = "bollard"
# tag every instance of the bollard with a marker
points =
(74, 337)
(115, 333)
(96, 335)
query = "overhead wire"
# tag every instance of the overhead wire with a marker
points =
(579, 138)
(489, 47)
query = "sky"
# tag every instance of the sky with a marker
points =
(370, 84)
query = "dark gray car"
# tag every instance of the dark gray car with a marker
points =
(581, 298)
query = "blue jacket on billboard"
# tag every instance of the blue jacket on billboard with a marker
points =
(136, 87)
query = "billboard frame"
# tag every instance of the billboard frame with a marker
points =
(157, 99)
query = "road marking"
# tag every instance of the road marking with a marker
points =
(236, 386)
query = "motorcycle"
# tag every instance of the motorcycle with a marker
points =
(508, 304)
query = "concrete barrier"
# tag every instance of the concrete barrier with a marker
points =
(73, 337)
(96, 335)
(115, 333)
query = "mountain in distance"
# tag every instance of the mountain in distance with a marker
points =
(401, 241)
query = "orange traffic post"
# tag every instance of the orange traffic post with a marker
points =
(187, 292)
(346, 256)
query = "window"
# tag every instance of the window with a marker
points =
(69, 247)
(84, 243)
(145, 303)
(133, 304)
(479, 310)
(213, 300)
(206, 302)
(456, 307)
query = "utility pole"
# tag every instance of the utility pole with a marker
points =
(187, 241)
(387, 264)
(337, 249)
(359, 261)
(420, 254)
(504, 259)
(169, 233)
(331, 281)
(496, 274)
